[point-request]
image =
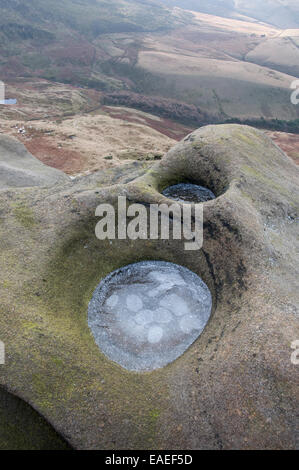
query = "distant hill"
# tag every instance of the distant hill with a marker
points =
(87, 17)
(213, 7)
(281, 13)
(226, 66)
(58, 40)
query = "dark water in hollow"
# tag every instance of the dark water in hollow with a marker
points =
(187, 192)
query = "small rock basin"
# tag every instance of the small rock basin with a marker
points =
(187, 192)
(147, 314)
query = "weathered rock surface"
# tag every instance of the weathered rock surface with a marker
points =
(18, 168)
(236, 386)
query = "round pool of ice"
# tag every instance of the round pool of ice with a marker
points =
(146, 315)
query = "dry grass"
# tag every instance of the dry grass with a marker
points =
(229, 24)
(289, 143)
(86, 143)
(280, 52)
(205, 64)
(62, 130)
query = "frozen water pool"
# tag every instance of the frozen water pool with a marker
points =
(145, 315)
(187, 192)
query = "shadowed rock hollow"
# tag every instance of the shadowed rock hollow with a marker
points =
(22, 428)
(235, 387)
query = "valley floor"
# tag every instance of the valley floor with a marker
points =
(66, 128)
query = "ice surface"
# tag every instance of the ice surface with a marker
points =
(112, 301)
(155, 334)
(165, 281)
(175, 304)
(134, 303)
(168, 278)
(190, 322)
(145, 315)
(161, 315)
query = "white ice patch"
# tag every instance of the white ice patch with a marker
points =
(133, 331)
(112, 301)
(154, 292)
(168, 278)
(165, 281)
(189, 323)
(147, 314)
(175, 304)
(161, 315)
(134, 303)
(155, 334)
(144, 317)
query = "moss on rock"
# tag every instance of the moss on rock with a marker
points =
(235, 386)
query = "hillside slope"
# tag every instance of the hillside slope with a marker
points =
(281, 13)
(227, 68)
